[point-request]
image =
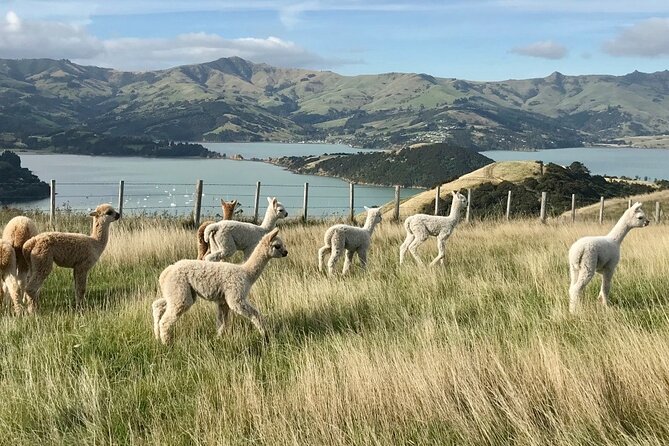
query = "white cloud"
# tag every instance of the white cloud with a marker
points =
(648, 38)
(33, 39)
(546, 49)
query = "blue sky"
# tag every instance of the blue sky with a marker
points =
(474, 39)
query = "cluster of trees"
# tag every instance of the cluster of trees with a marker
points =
(18, 184)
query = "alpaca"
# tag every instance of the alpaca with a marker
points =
(420, 226)
(226, 284)
(600, 254)
(229, 236)
(77, 251)
(17, 232)
(350, 238)
(7, 270)
(228, 208)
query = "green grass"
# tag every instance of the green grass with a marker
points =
(479, 351)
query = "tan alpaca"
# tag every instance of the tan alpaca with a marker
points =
(17, 232)
(77, 251)
(226, 284)
(228, 208)
(7, 268)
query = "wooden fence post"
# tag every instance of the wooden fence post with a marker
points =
(256, 203)
(508, 206)
(305, 203)
(121, 187)
(52, 204)
(396, 213)
(351, 201)
(542, 211)
(657, 212)
(198, 202)
(573, 208)
(601, 210)
(629, 203)
(468, 214)
(437, 195)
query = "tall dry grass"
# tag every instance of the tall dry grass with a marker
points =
(480, 351)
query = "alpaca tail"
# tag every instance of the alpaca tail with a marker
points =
(327, 248)
(202, 244)
(210, 237)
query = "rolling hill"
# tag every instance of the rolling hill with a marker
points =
(232, 99)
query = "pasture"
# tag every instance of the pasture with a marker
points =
(479, 351)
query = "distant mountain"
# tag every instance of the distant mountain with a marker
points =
(232, 99)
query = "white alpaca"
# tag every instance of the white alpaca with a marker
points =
(17, 232)
(7, 271)
(350, 238)
(600, 254)
(226, 284)
(229, 236)
(420, 226)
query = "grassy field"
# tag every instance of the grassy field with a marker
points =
(479, 351)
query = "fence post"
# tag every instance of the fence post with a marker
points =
(542, 212)
(351, 201)
(198, 202)
(121, 187)
(629, 203)
(52, 204)
(508, 206)
(469, 206)
(256, 202)
(601, 210)
(657, 212)
(396, 213)
(305, 202)
(573, 208)
(437, 195)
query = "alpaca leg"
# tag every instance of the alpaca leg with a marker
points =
(607, 275)
(362, 255)
(80, 279)
(158, 307)
(244, 308)
(177, 304)
(321, 256)
(220, 249)
(15, 293)
(334, 257)
(441, 247)
(348, 260)
(39, 272)
(222, 317)
(585, 275)
(405, 245)
(413, 246)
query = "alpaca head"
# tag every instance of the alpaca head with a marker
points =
(373, 215)
(277, 208)
(635, 216)
(457, 196)
(228, 208)
(105, 213)
(275, 246)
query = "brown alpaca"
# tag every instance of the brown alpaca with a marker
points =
(17, 232)
(228, 212)
(77, 251)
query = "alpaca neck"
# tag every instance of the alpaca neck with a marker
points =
(269, 221)
(620, 230)
(100, 233)
(455, 210)
(228, 213)
(370, 223)
(255, 264)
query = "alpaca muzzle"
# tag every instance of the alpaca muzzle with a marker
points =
(646, 222)
(284, 253)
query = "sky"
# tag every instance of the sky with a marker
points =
(465, 39)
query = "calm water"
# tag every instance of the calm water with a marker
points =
(266, 150)
(651, 163)
(168, 185)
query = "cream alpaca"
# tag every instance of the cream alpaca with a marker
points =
(17, 232)
(227, 237)
(600, 254)
(420, 226)
(7, 270)
(77, 251)
(350, 238)
(226, 284)
(228, 208)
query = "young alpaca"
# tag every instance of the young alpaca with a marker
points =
(77, 251)
(420, 226)
(229, 236)
(350, 238)
(226, 284)
(17, 232)
(228, 208)
(7, 270)
(600, 254)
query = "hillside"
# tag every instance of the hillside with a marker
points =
(415, 166)
(235, 100)
(614, 207)
(18, 184)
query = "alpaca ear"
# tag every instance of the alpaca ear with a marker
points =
(235, 203)
(455, 193)
(222, 202)
(269, 200)
(636, 205)
(93, 214)
(366, 208)
(273, 234)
